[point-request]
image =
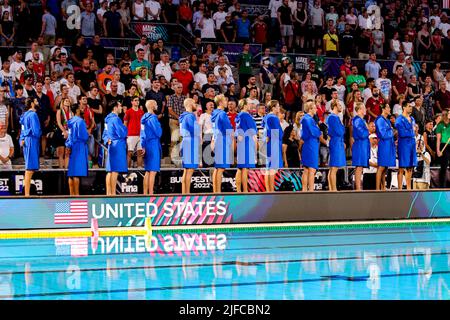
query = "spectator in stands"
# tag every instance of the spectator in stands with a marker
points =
(284, 15)
(132, 120)
(399, 84)
(116, 80)
(6, 148)
(244, 64)
(84, 77)
(88, 21)
(221, 63)
(372, 67)
(78, 52)
(355, 77)
(112, 22)
(163, 67)
(228, 29)
(207, 27)
(374, 104)
(442, 98)
(139, 62)
(243, 28)
(317, 15)
(331, 43)
(153, 9)
(184, 76)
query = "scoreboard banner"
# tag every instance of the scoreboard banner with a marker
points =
(201, 209)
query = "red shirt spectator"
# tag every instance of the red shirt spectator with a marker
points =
(291, 92)
(88, 116)
(39, 69)
(321, 109)
(399, 83)
(133, 118)
(374, 106)
(232, 117)
(346, 68)
(260, 32)
(442, 98)
(185, 12)
(184, 76)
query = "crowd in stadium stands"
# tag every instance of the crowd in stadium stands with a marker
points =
(60, 73)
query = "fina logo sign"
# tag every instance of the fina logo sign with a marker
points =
(35, 182)
(4, 185)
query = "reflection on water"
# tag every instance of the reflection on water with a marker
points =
(378, 264)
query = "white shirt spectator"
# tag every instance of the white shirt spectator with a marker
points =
(273, 7)
(341, 91)
(9, 9)
(63, 50)
(196, 17)
(366, 94)
(153, 6)
(293, 5)
(408, 48)
(17, 68)
(206, 124)
(397, 110)
(6, 144)
(219, 18)
(384, 85)
(201, 78)
(229, 71)
(29, 56)
(225, 82)
(364, 23)
(3, 113)
(444, 28)
(316, 16)
(164, 69)
(74, 92)
(7, 76)
(373, 159)
(437, 19)
(144, 85)
(139, 10)
(426, 176)
(207, 32)
(120, 87)
(100, 11)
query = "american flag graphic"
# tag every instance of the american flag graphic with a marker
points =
(72, 212)
(76, 247)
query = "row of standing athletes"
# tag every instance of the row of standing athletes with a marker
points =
(115, 135)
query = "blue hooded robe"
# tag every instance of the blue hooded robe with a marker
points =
(361, 144)
(336, 131)
(117, 132)
(245, 133)
(310, 136)
(151, 133)
(31, 134)
(386, 145)
(190, 131)
(223, 139)
(273, 131)
(406, 148)
(77, 143)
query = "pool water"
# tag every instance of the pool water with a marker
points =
(396, 263)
